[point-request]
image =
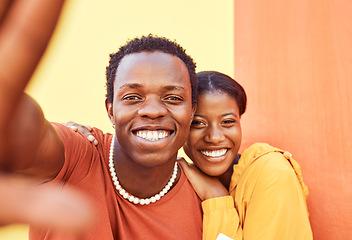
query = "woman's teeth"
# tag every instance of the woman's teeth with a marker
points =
(216, 153)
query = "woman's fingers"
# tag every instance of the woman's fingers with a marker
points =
(183, 164)
(84, 129)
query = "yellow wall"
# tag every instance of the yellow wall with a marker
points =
(70, 83)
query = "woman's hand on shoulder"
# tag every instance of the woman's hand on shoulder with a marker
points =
(205, 186)
(86, 130)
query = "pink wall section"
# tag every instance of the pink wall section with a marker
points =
(294, 58)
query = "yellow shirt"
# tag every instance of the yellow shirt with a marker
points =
(269, 196)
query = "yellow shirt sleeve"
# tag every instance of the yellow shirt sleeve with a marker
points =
(270, 200)
(275, 206)
(220, 216)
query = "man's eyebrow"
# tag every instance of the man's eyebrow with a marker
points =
(173, 87)
(131, 85)
(138, 85)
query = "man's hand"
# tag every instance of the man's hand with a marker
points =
(64, 210)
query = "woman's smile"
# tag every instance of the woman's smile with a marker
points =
(215, 135)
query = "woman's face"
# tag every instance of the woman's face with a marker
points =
(215, 135)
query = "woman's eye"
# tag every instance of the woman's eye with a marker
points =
(197, 123)
(229, 122)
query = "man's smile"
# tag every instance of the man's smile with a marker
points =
(152, 135)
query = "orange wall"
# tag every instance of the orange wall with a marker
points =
(294, 59)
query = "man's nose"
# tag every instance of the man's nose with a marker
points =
(152, 108)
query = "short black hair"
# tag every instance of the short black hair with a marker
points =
(149, 43)
(212, 81)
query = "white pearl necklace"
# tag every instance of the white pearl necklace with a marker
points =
(125, 194)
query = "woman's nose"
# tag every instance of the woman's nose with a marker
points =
(214, 135)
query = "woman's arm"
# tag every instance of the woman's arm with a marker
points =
(272, 201)
(220, 217)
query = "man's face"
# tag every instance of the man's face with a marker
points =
(152, 107)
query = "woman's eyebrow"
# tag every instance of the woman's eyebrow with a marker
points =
(230, 113)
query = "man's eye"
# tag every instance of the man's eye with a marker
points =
(131, 98)
(174, 98)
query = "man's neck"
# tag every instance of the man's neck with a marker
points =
(139, 180)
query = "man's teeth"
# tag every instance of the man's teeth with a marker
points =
(152, 135)
(216, 153)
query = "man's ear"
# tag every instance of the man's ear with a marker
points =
(110, 111)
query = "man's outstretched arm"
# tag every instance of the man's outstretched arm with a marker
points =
(25, 30)
(29, 144)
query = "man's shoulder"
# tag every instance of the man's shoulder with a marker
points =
(102, 137)
(69, 135)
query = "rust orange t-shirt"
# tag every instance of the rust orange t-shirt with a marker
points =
(177, 215)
